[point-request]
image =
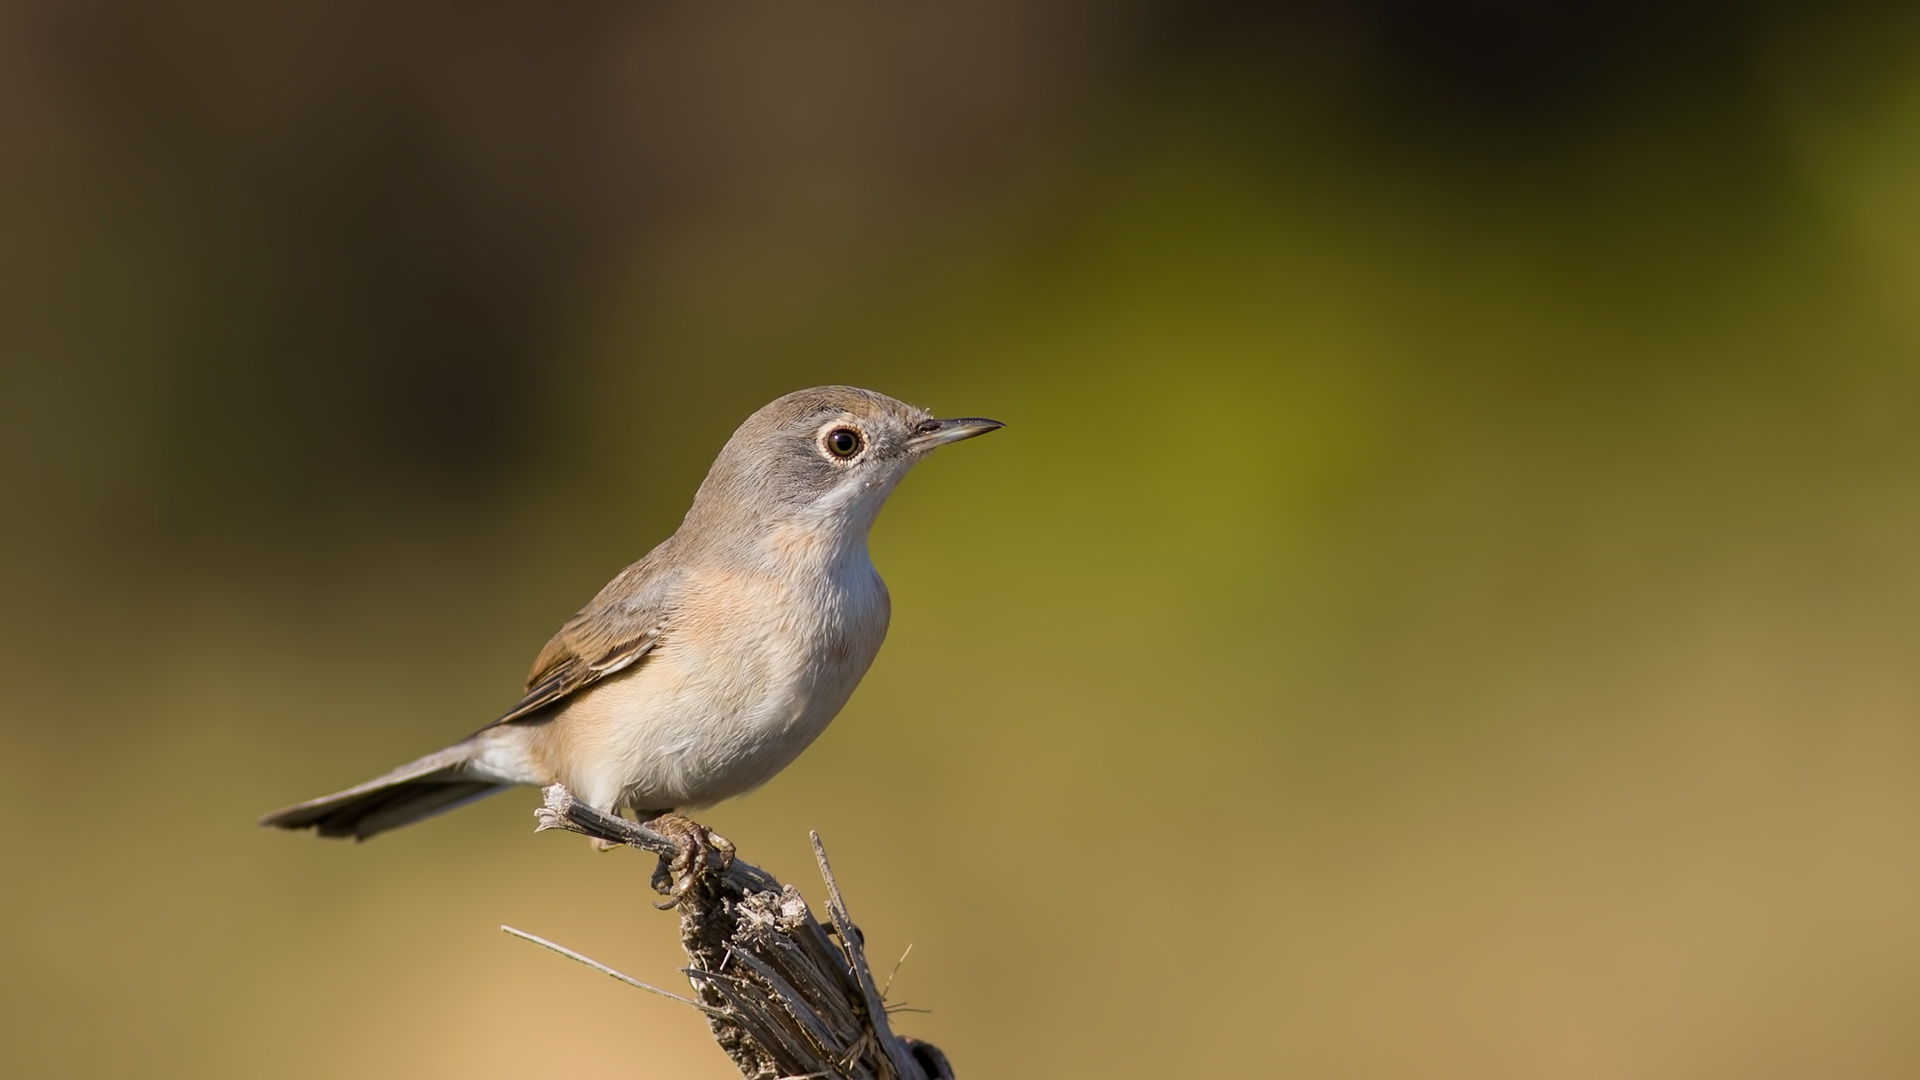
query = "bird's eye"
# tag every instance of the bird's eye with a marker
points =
(844, 442)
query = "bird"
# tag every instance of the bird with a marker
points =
(706, 667)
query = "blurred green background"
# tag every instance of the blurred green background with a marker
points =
(1446, 602)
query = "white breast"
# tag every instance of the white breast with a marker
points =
(752, 670)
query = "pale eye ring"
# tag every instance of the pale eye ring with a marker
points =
(843, 442)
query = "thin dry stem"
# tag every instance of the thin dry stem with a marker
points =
(784, 996)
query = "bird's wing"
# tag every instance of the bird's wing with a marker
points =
(611, 634)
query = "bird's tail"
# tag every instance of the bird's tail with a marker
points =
(413, 792)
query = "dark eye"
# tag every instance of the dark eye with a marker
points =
(844, 442)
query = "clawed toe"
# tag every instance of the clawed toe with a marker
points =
(702, 852)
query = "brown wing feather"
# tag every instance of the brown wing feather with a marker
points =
(569, 664)
(608, 636)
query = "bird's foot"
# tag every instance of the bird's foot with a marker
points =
(702, 851)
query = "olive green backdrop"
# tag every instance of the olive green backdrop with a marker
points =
(1446, 602)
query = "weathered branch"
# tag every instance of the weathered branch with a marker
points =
(783, 995)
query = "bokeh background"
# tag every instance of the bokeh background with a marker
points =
(1446, 602)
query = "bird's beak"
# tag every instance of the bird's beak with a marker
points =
(932, 433)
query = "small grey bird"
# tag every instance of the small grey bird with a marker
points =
(706, 667)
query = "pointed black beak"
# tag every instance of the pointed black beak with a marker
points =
(931, 433)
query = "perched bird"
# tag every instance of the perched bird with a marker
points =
(705, 668)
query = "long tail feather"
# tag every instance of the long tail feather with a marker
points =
(413, 792)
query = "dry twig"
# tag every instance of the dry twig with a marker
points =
(784, 996)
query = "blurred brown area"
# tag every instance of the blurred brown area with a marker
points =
(1449, 585)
